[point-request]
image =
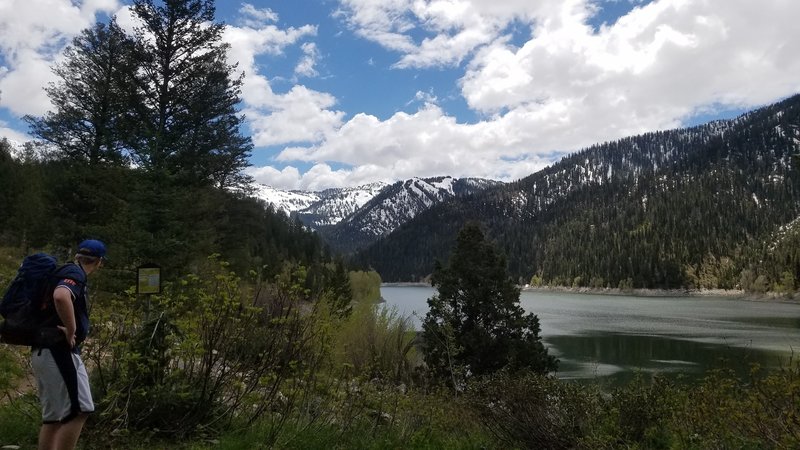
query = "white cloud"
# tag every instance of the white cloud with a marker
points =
(650, 70)
(567, 87)
(12, 134)
(318, 177)
(32, 34)
(427, 143)
(431, 33)
(256, 17)
(306, 65)
(287, 178)
(298, 115)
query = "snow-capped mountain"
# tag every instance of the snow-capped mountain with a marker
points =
(321, 208)
(286, 201)
(655, 208)
(350, 218)
(334, 204)
(395, 205)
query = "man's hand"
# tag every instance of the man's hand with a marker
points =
(70, 336)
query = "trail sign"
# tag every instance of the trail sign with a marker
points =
(148, 279)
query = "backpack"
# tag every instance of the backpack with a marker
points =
(27, 305)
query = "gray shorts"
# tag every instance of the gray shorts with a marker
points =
(62, 383)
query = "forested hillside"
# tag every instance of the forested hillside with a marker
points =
(696, 207)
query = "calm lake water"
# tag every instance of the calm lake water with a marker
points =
(611, 338)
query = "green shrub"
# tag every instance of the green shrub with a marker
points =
(641, 409)
(19, 421)
(366, 286)
(205, 353)
(726, 412)
(376, 342)
(533, 411)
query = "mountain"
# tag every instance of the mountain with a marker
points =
(286, 201)
(333, 205)
(351, 218)
(319, 208)
(395, 205)
(693, 207)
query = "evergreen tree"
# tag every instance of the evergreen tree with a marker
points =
(475, 325)
(189, 127)
(340, 293)
(90, 98)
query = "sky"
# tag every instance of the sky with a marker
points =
(342, 93)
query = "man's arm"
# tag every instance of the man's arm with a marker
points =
(62, 297)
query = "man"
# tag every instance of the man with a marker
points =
(61, 377)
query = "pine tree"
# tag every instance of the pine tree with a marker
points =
(89, 98)
(475, 324)
(187, 95)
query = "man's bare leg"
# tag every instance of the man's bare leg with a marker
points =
(68, 434)
(47, 436)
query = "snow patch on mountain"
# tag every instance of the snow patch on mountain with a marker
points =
(319, 208)
(286, 201)
(404, 200)
(334, 205)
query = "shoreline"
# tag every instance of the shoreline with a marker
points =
(736, 294)
(719, 293)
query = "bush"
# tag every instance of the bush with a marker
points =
(19, 421)
(376, 342)
(639, 412)
(726, 412)
(533, 411)
(19, 411)
(205, 353)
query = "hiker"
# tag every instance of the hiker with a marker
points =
(61, 377)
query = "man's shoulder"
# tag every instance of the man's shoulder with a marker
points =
(71, 272)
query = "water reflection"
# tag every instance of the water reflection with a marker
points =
(779, 322)
(618, 357)
(611, 338)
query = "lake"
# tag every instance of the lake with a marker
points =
(611, 338)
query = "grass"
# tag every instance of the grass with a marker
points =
(19, 422)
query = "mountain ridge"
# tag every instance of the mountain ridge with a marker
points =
(553, 222)
(351, 218)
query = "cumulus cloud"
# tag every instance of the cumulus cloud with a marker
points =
(298, 115)
(306, 65)
(13, 135)
(427, 143)
(540, 78)
(568, 86)
(32, 34)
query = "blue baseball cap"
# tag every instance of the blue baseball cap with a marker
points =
(92, 247)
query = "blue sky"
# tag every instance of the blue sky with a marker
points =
(347, 92)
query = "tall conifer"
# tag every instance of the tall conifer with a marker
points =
(187, 95)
